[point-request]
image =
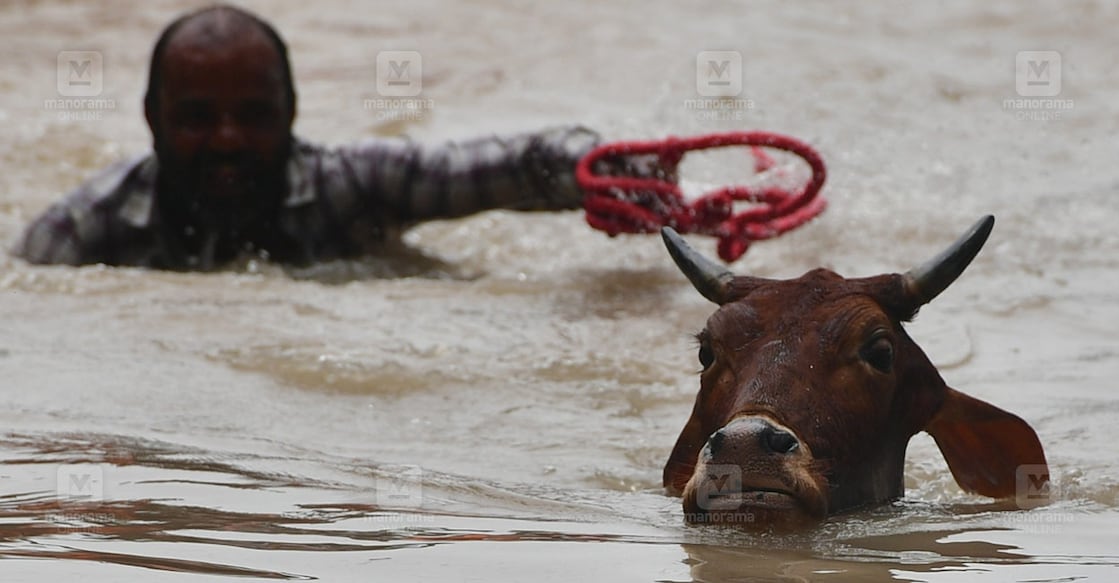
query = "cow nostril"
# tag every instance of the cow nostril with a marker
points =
(779, 441)
(715, 442)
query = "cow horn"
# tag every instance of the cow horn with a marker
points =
(927, 281)
(708, 277)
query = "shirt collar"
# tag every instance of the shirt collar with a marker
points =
(139, 204)
(301, 185)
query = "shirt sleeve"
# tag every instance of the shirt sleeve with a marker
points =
(78, 229)
(51, 239)
(532, 171)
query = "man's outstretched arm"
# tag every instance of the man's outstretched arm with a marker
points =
(532, 171)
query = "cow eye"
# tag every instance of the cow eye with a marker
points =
(879, 353)
(706, 355)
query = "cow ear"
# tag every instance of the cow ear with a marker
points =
(984, 445)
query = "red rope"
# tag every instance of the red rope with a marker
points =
(631, 204)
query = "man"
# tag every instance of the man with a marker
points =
(227, 177)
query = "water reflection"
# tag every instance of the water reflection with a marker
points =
(168, 507)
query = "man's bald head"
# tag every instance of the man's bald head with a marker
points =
(217, 28)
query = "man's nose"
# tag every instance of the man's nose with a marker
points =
(750, 437)
(228, 136)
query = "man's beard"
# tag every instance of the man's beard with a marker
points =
(226, 202)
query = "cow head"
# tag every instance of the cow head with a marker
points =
(811, 389)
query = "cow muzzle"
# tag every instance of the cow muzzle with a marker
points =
(755, 473)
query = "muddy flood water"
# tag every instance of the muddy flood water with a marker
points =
(496, 401)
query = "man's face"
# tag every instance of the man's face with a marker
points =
(223, 126)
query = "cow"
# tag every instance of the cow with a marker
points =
(811, 389)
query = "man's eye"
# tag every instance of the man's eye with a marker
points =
(258, 114)
(194, 116)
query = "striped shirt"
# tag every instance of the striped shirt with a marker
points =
(341, 202)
